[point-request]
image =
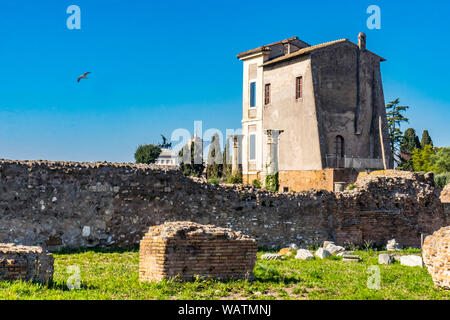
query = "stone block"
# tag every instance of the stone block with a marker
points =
(350, 258)
(304, 254)
(322, 253)
(411, 261)
(271, 256)
(385, 258)
(286, 251)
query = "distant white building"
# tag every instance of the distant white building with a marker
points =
(167, 157)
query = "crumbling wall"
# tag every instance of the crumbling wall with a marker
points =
(68, 204)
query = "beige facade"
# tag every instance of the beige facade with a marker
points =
(327, 99)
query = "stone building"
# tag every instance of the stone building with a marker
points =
(313, 113)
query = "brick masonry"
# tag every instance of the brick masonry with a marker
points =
(25, 263)
(436, 256)
(72, 205)
(185, 249)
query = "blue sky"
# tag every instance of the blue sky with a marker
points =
(158, 66)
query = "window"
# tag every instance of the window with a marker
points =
(252, 147)
(267, 93)
(252, 94)
(299, 88)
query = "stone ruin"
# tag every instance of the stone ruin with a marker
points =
(187, 250)
(445, 194)
(25, 263)
(74, 205)
(436, 256)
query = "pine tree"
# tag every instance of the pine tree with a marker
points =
(394, 114)
(426, 139)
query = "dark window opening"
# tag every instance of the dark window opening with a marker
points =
(252, 94)
(339, 151)
(267, 94)
(299, 87)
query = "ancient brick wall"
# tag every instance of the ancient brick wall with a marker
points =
(25, 263)
(187, 249)
(65, 204)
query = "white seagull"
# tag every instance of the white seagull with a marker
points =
(84, 76)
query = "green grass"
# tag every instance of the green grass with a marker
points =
(114, 275)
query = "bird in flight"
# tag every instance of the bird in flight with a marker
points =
(84, 76)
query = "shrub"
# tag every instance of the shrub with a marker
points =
(235, 178)
(256, 183)
(441, 160)
(351, 186)
(214, 181)
(442, 179)
(272, 182)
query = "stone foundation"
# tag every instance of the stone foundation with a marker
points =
(436, 256)
(186, 250)
(25, 263)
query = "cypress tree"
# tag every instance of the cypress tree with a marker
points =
(227, 162)
(215, 161)
(409, 143)
(426, 139)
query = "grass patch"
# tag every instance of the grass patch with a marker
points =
(114, 275)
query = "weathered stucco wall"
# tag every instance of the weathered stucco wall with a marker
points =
(299, 143)
(349, 99)
(56, 204)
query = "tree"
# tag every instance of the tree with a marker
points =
(409, 142)
(440, 162)
(193, 165)
(426, 139)
(147, 153)
(422, 158)
(214, 168)
(227, 167)
(394, 114)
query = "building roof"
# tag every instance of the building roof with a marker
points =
(266, 47)
(311, 49)
(167, 153)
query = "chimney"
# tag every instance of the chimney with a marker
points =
(362, 41)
